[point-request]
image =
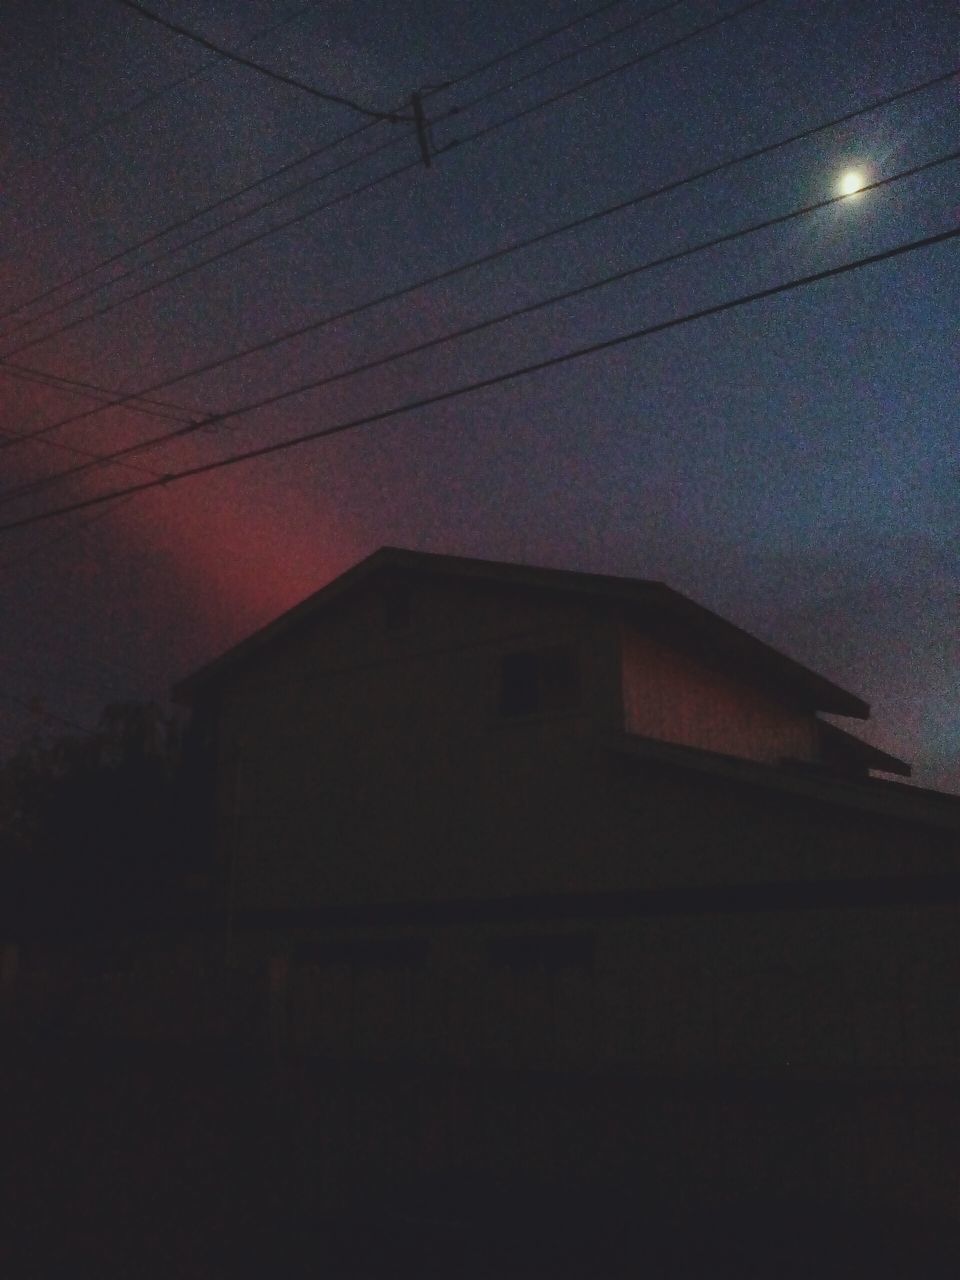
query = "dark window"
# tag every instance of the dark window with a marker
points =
(539, 680)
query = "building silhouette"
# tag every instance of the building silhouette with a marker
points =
(532, 923)
(560, 879)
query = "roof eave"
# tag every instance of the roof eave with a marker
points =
(881, 796)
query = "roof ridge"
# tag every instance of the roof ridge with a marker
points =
(684, 620)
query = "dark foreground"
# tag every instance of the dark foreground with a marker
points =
(121, 1161)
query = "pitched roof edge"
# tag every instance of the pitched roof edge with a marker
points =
(669, 605)
(184, 689)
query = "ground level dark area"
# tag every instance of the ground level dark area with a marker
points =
(181, 1163)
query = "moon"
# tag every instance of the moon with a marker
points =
(851, 181)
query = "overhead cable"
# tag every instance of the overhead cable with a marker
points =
(453, 393)
(289, 165)
(94, 391)
(172, 250)
(516, 246)
(192, 267)
(27, 321)
(303, 215)
(591, 82)
(603, 76)
(23, 558)
(476, 327)
(281, 76)
(77, 451)
(104, 122)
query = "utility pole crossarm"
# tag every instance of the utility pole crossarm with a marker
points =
(420, 121)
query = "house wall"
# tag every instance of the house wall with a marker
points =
(672, 697)
(784, 1048)
(798, 1053)
(808, 993)
(361, 765)
(807, 1055)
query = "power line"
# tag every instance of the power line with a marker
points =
(94, 459)
(289, 165)
(65, 535)
(215, 64)
(565, 57)
(481, 325)
(53, 382)
(303, 215)
(109, 307)
(190, 268)
(525, 243)
(282, 77)
(174, 226)
(499, 379)
(93, 390)
(111, 395)
(601, 76)
(172, 251)
(529, 44)
(26, 322)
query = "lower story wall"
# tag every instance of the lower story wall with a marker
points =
(708, 1140)
(716, 1059)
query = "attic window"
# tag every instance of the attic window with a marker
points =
(535, 681)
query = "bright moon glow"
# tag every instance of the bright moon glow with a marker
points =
(851, 182)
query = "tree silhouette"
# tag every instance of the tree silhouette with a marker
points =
(104, 831)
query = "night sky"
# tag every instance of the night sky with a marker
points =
(792, 463)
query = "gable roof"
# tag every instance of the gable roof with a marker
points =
(671, 615)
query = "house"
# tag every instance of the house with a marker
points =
(562, 875)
